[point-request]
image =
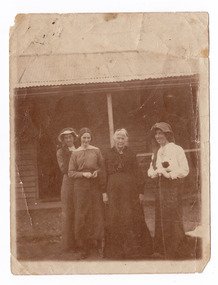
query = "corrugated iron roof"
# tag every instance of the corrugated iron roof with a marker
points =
(98, 68)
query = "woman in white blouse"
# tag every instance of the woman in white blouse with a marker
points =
(168, 166)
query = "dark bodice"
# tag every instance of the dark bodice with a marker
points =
(124, 163)
(63, 158)
(116, 162)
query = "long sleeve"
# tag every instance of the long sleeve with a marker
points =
(100, 161)
(175, 156)
(183, 169)
(101, 172)
(104, 174)
(61, 159)
(73, 168)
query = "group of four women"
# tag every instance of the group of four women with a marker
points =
(102, 197)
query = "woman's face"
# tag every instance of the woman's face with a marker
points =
(85, 139)
(120, 141)
(69, 140)
(160, 137)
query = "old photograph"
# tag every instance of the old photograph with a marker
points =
(109, 143)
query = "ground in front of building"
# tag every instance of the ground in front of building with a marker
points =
(39, 232)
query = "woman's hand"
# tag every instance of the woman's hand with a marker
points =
(166, 174)
(163, 171)
(95, 174)
(105, 198)
(168, 169)
(87, 174)
(141, 198)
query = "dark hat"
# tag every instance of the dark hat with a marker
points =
(67, 131)
(164, 127)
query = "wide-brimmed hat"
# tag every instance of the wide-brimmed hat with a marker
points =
(164, 127)
(67, 131)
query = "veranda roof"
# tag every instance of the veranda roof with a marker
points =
(57, 49)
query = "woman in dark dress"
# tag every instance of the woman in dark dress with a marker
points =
(127, 235)
(67, 137)
(168, 166)
(85, 168)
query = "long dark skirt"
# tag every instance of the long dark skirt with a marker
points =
(169, 231)
(89, 219)
(127, 235)
(67, 204)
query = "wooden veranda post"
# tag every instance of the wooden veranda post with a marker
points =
(110, 117)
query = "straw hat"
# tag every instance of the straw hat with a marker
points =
(164, 127)
(67, 131)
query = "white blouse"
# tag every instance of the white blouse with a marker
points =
(175, 156)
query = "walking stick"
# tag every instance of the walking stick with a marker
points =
(105, 231)
(161, 213)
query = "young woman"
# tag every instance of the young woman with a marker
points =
(127, 235)
(169, 166)
(85, 168)
(67, 138)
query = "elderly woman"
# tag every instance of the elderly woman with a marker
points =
(127, 235)
(85, 167)
(67, 137)
(169, 166)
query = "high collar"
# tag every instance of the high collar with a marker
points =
(71, 148)
(66, 148)
(115, 149)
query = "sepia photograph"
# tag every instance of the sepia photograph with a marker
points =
(109, 148)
